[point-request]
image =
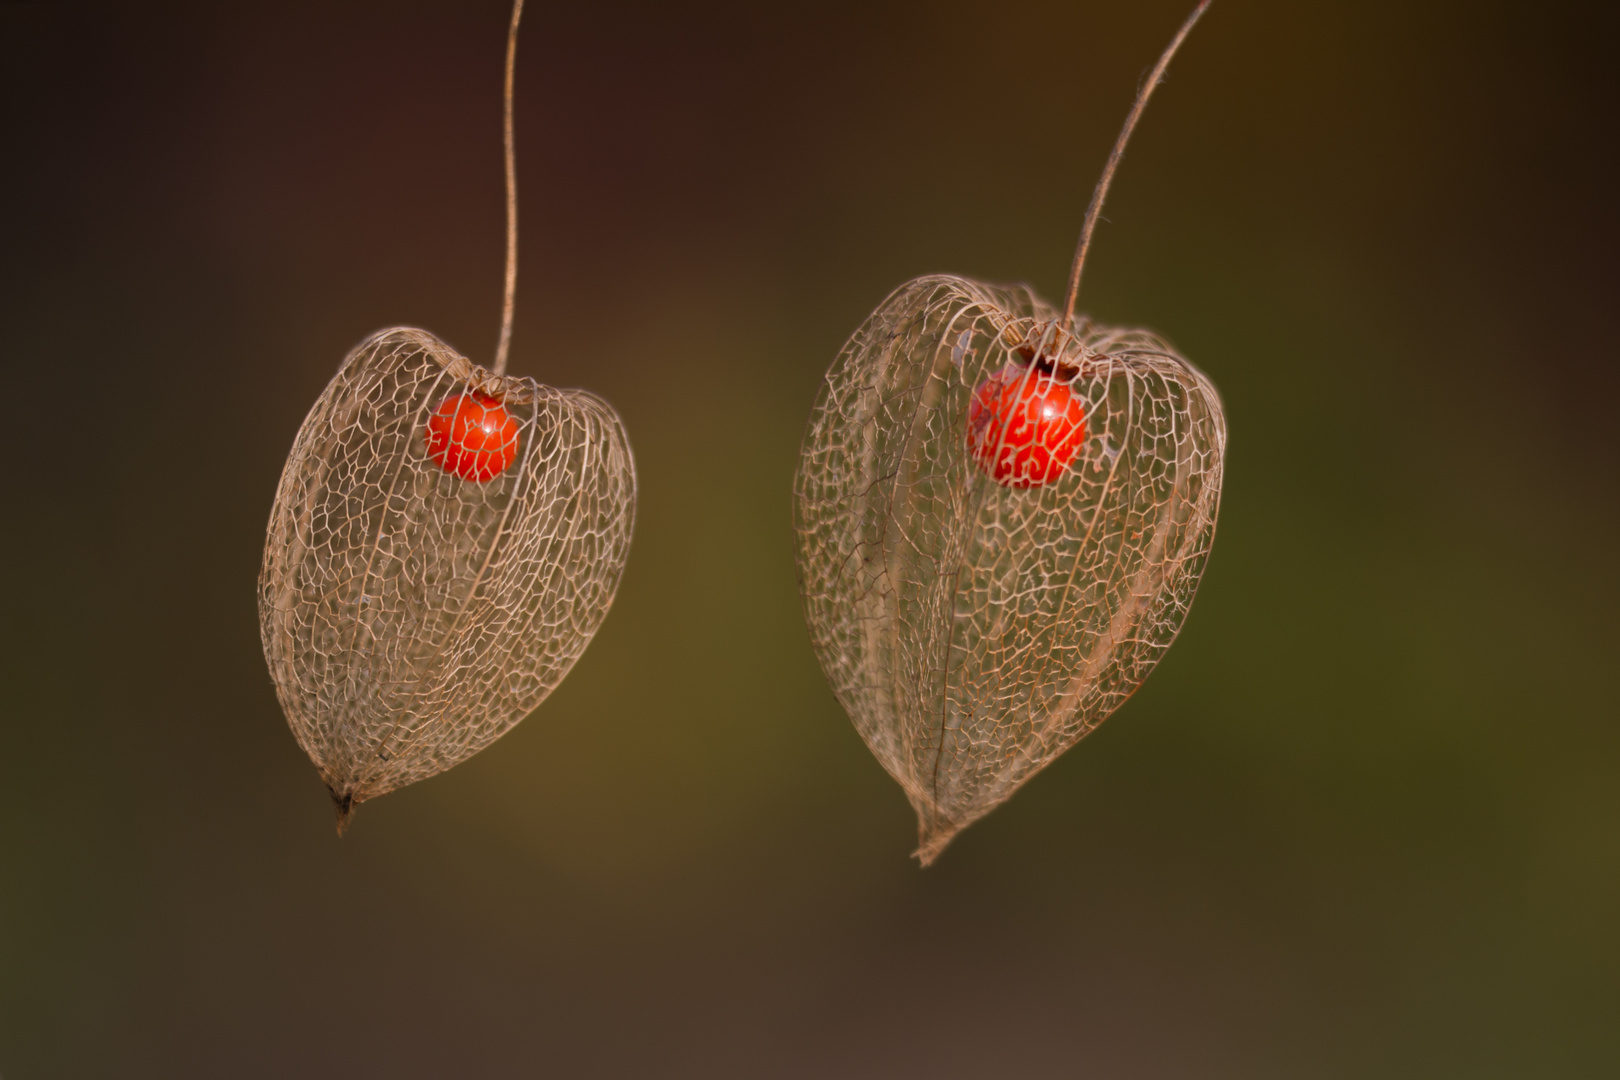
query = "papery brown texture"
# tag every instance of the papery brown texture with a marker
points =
(975, 631)
(410, 617)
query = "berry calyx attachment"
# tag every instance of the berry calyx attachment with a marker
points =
(472, 436)
(1024, 427)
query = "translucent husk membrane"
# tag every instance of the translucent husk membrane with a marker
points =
(973, 631)
(409, 617)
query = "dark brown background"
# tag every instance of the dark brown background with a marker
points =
(1365, 820)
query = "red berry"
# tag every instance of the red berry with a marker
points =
(472, 436)
(1024, 427)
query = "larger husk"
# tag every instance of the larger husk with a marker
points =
(973, 632)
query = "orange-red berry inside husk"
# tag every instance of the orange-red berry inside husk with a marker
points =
(472, 436)
(1024, 427)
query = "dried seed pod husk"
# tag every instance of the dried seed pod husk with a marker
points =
(410, 617)
(975, 631)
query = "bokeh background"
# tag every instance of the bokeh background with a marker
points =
(1364, 820)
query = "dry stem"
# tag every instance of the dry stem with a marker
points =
(511, 199)
(1101, 192)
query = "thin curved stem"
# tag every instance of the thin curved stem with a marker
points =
(1101, 192)
(511, 199)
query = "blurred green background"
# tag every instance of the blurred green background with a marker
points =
(1364, 820)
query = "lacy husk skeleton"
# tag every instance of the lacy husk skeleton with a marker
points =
(974, 630)
(411, 616)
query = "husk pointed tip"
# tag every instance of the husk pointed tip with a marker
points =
(932, 840)
(345, 805)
